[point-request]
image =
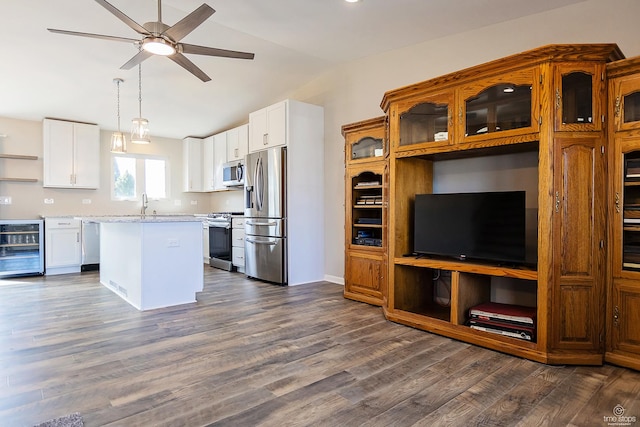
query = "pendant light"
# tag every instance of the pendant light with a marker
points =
(140, 126)
(118, 140)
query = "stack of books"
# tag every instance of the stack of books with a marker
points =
(514, 321)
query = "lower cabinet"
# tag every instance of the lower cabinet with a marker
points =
(365, 272)
(624, 334)
(237, 243)
(62, 246)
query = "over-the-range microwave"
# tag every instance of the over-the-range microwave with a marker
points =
(233, 173)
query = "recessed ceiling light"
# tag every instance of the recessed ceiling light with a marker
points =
(352, 1)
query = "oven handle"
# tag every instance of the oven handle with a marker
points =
(227, 226)
(260, 242)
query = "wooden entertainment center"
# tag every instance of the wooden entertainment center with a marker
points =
(571, 111)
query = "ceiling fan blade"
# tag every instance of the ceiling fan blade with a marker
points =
(95, 36)
(189, 22)
(124, 18)
(182, 60)
(137, 59)
(212, 51)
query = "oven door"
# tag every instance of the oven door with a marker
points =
(220, 245)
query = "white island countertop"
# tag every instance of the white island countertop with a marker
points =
(151, 261)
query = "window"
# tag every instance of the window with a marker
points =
(134, 175)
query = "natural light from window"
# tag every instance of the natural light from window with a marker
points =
(134, 175)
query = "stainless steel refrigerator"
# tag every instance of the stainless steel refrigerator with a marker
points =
(265, 214)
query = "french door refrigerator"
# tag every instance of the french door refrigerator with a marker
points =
(266, 215)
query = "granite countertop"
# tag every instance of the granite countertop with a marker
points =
(141, 218)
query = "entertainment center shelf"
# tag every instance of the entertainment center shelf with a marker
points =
(469, 267)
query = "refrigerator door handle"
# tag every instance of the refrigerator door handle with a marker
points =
(259, 183)
(260, 223)
(261, 242)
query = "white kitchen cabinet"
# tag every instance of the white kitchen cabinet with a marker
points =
(219, 159)
(268, 127)
(62, 245)
(192, 150)
(237, 143)
(208, 166)
(237, 243)
(71, 154)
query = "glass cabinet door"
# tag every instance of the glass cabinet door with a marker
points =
(626, 202)
(578, 97)
(365, 140)
(427, 123)
(627, 103)
(501, 106)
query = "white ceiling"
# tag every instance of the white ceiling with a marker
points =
(43, 74)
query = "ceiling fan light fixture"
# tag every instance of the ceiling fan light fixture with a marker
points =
(158, 46)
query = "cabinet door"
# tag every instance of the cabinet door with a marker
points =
(268, 127)
(208, 164)
(424, 124)
(364, 277)
(626, 99)
(579, 95)
(625, 318)
(365, 145)
(219, 159)
(237, 143)
(503, 106)
(578, 244)
(192, 164)
(58, 153)
(62, 247)
(86, 145)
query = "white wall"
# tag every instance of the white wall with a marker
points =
(353, 92)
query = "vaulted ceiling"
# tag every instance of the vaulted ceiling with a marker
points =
(43, 74)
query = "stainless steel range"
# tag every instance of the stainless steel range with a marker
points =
(220, 243)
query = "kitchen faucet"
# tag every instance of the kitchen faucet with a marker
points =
(145, 204)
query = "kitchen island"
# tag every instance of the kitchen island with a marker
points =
(151, 261)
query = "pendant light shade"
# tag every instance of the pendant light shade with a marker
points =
(118, 140)
(140, 126)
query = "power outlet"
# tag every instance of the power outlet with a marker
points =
(86, 201)
(48, 201)
(5, 200)
(173, 243)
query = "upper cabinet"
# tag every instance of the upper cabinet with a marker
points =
(219, 159)
(365, 141)
(268, 127)
(425, 123)
(71, 154)
(579, 97)
(625, 95)
(237, 143)
(503, 106)
(192, 157)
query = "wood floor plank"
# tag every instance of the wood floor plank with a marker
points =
(252, 353)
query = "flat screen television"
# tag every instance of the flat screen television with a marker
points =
(488, 226)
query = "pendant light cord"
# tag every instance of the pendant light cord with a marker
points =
(118, 98)
(140, 89)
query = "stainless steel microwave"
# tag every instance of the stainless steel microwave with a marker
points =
(233, 174)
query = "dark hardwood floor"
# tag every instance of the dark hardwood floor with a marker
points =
(249, 353)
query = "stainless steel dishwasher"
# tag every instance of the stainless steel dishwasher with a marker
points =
(90, 235)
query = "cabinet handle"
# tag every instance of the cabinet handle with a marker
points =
(557, 201)
(460, 114)
(617, 202)
(617, 109)
(558, 97)
(71, 179)
(235, 152)
(265, 139)
(77, 237)
(616, 315)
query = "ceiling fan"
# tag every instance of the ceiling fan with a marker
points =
(161, 39)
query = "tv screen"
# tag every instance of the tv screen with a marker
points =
(487, 226)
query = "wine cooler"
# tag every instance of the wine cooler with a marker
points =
(21, 247)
